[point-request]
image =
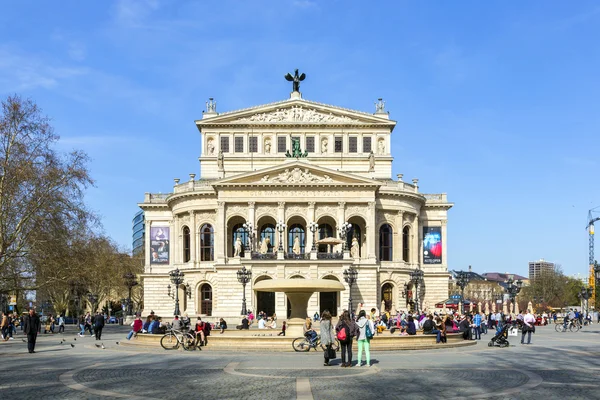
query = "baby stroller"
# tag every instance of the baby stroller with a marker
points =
(500, 339)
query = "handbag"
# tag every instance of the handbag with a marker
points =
(331, 353)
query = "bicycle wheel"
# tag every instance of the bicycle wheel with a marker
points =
(558, 328)
(169, 342)
(574, 328)
(301, 344)
(189, 342)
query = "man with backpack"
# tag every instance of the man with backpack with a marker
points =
(429, 329)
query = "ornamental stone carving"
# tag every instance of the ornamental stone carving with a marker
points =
(296, 175)
(295, 209)
(202, 216)
(408, 217)
(298, 114)
(385, 216)
(236, 209)
(356, 210)
(325, 209)
(264, 209)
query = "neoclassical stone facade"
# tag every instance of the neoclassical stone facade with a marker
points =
(343, 175)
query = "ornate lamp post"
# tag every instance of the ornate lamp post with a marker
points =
(176, 277)
(513, 288)
(313, 227)
(244, 276)
(280, 228)
(130, 282)
(249, 228)
(416, 277)
(344, 229)
(462, 280)
(350, 276)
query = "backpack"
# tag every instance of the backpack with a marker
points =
(368, 332)
(343, 334)
(428, 326)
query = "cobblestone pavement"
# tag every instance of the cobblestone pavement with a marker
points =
(557, 365)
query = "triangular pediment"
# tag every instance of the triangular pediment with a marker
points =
(296, 173)
(296, 111)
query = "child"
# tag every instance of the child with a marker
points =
(283, 327)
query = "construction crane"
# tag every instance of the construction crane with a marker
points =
(590, 228)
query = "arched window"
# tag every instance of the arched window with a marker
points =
(387, 291)
(354, 233)
(239, 231)
(325, 231)
(385, 242)
(406, 244)
(207, 243)
(206, 299)
(268, 231)
(186, 244)
(296, 230)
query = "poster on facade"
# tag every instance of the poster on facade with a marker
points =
(159, 245)
(432, 245)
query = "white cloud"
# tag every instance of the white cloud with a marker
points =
(133, 12)
(77, 51)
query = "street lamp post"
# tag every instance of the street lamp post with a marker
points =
(244, 276)
(130, 282)
(462, 280)
(344, 229)
(513, 288)
(280, 228)
(249, 228)
(313, 227)
(416, 276)
(350, 276)
(176, 277)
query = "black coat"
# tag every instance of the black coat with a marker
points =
(99, 321)
(31, 324)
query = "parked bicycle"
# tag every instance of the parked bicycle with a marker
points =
(172, 339)
(305, 344)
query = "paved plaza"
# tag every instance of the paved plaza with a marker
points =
(556, 365)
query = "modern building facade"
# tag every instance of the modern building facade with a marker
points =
(138, 233)
(538, 268)
(277, 183)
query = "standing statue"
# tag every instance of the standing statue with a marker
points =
(381, 147)
(324, 146)
(354, 249)
(264, 246)
(238, 247)
(210, 147)
(296, 79)
(220, 160)
(296, 247)
(371, 161)
(268, 146)
(296, 151)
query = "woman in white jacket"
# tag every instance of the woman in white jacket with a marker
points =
(363, 340)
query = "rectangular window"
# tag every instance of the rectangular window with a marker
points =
(281, 144)
(239, 144)
(310, 144)
(338, 144)
(367, 144)
(225, 144)
(353, 144)
(253, 144)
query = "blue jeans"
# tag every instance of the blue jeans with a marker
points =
(477, 332)
(436, 332)
(82, 327)
(130, 334)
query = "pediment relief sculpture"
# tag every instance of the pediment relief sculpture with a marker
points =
(297, 114)
(296, 175)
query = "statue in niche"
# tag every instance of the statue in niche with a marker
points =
(264, 245)
(381, 147)
(354, 249)
(220, 160)
(324, 144)
(371, 161)
(210, 147)
(238, 247)
(268, 146)
(296, 247)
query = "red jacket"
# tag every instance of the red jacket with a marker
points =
(137, 325)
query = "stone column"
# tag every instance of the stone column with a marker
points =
(281, 217)
(175, 232)
(397, 247)
(371, 230)
(252, 219)
(193, 237)
(311, 218)
(147, 238)
(220, 233)
(341, 214)
(418, 239)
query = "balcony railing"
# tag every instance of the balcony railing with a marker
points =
(292, 256)
(266, 256)
(330, 256)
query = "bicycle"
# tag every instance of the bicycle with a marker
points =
(571, 326)
(172, 339)
(304, 344)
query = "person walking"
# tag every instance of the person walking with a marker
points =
(327, 336)
(528, 327)
(4, 326)
(350, 330)
(477, 326)
(31, 326)
(98, 325)
(61, 323)
(366, 330)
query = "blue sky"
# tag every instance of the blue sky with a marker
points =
(497, 103)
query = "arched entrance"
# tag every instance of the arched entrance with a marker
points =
(329, 300)
(289, 304)
(265, 301)
(387, 296)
